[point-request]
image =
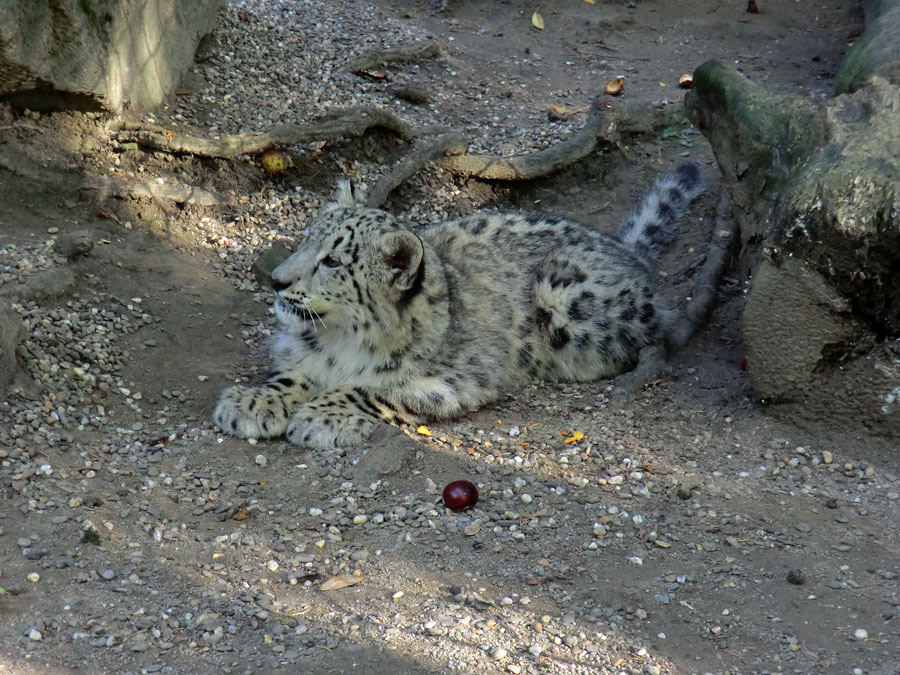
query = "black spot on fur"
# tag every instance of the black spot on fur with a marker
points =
(285, 381)
(482, 379)
(582, 340)
(525, 327)
(582, 307)
(559, 338)
(543, 317)
(648, 311)
(331, 362)
(525, 357)
(628, 313)
(667, 213)
(477, 225)
(603, 344)
(675, 195)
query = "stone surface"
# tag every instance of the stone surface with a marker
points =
(98, 54)
(815, 190)
(12, 332)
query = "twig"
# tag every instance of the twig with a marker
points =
(422, 152)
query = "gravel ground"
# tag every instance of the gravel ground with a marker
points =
(687, 530)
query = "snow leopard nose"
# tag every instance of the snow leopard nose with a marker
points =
(279, 285)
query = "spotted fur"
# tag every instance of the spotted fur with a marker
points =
(380, 323)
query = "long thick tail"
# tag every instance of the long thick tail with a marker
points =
(652, 223)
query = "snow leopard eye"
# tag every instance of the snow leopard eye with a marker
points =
(330, 261)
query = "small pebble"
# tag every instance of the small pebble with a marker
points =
(34, 577)
(261, 460)
(35, 635)
(861, 634)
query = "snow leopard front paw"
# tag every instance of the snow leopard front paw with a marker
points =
(313, 428)
(252, 412)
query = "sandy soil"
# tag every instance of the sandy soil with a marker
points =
(690, 530)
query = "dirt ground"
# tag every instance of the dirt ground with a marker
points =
(690, 530)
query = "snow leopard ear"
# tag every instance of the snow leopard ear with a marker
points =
(347, 195)
(404, 256)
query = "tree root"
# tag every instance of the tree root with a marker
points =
(377, 58)
(421, 153)
(652, 361)
(348, 122)
(609, 128)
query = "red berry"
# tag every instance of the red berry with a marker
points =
(460, 494)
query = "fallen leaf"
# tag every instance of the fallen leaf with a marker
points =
(537, 21)
(423, 430)
(377, 77)
(104, 213)
(574, 438)
(336, 583)
(561, 114)
(240, 514)
(614, 87)
(591, 2)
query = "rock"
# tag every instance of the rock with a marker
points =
(267, 261)
(814, 191)
(98, 54)
(411, 93)
(389, 452)
(74, 244)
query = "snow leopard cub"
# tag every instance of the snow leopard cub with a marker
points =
(379, 323)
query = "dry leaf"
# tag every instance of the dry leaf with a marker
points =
(574, 438)
(240, 514)
(537, 21)
(590, 1)
(555, 113)
(423, 430)
(336, 583)
(614, 87)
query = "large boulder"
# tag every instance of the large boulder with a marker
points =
(816, 192)
(98, 54)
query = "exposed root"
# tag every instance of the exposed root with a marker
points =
(349, 122)
(534, 164)
(424, 150)
(377, 58)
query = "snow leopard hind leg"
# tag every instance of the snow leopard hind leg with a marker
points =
(596, 308)
(648, 228)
